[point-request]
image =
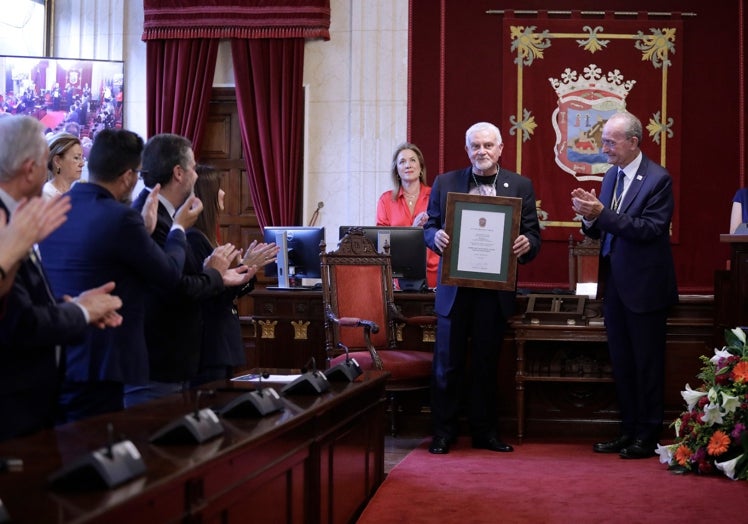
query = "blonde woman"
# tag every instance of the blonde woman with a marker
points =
(406, 203)
(65, 164)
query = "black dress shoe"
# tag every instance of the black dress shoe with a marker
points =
(492, 444)
(613, 446)
(640, 449)
(439, 446)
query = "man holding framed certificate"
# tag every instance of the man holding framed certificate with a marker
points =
(482, 220)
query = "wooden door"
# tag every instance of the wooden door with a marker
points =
(222, 148)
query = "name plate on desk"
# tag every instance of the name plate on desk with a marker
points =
(555, 309)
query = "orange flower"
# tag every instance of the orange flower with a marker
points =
(682, 454)
(718, 443)
(740, 371)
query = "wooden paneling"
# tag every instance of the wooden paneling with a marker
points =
(552, 407)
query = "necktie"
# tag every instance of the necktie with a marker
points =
(614, 205)
(36, 263)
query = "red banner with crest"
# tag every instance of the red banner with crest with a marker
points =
(563, 80)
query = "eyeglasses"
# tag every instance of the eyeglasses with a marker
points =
(606, 142)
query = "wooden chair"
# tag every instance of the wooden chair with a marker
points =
(360, 314)
(583, 261)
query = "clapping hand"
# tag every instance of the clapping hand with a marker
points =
(221, 257)
(421, 219)
(101, 305)
(150, 209)
(260, 254)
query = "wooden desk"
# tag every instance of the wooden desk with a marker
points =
(287, 327)
(579, 371)
(550, 408)
(592, 408)
(318, 460)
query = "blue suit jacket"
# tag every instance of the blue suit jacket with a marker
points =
(32, 324)
(105, 240)
(640, 253)
(509, 184)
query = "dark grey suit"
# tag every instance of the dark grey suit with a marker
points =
(32, 325)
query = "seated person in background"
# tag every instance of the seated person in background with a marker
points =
(222, 349)
(65, 164)
(739, 213)
(406, 204)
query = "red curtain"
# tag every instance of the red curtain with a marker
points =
(268, 47)
(563, 80)
(268, 76)
(180, 78)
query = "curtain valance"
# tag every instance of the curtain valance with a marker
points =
(179, 19)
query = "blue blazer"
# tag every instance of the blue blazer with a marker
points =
(32, 324)
(509, 184)
(104, 240)
(641, 260)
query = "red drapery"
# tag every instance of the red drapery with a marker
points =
(184, 70)
(268, 46)
(268, 77)
(565, 78)
(168, 19)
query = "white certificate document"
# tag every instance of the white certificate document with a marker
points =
(480, 245)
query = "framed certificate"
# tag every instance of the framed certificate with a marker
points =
(481, 231)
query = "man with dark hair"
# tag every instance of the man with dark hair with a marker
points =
(34, 326)
(104, 239)
(173, 324)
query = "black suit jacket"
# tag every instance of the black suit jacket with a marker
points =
(174, 321)
(32, 325)
(509, 184)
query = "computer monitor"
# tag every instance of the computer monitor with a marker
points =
(407, 252)
(298, 256)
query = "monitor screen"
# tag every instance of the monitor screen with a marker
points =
(72, 95)
(407, 252)
(299, 255)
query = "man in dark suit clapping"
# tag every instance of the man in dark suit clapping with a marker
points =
(105, 239)
(636, 279)
(34, 326)
(173, 324)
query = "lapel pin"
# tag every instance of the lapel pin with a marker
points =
(506, 184)
(638, 177)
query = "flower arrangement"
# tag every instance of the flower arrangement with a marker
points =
(711, 435)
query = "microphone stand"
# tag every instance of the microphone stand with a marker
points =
(348, 370)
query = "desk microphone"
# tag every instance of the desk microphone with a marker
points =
(313, 362)
(310, 382)
(110, 440)
(196, 413)
(348, 370)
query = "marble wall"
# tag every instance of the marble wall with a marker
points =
(355, 84)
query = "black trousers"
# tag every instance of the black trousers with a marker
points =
(465, 363)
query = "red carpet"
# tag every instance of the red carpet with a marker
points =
(542, 482)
